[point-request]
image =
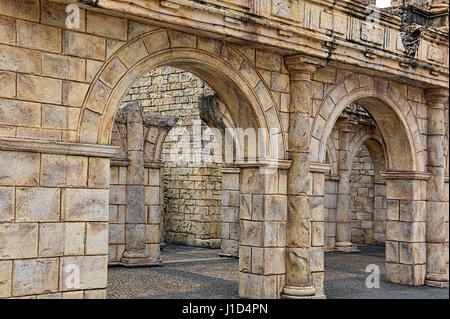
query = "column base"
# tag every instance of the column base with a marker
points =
(437, 280)
(347, 247)
(292, 292)
(138, 259)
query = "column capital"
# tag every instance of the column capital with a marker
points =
(301, 67)
(436, 96)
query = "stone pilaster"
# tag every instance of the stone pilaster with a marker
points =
(136, 218)
(343, 227)
(298, 238)
(230, 212)
(405, 228)
(263, 215)
(317, 173)
(437, 204)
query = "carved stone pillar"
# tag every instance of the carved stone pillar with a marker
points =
(437, 205)
(343, 229)
(145, 137)
(136, 219)
(298, 231)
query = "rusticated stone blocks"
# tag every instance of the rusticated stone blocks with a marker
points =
(47, 214)
(263, 215)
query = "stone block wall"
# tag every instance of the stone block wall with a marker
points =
(192, 189)
(53, 224)
(368, 199)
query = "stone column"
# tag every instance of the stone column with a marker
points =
(136, 218)
(155, 131)
(343, 229)
(437, 205)
(53, 219)
(230, 212)
(298, 252)
(405, 227)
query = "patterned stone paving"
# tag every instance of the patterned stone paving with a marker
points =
(198, 273)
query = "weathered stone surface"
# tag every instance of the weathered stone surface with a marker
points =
(37, 204)
(51, 239)
(63, 67)
(74, 93)
(39, 89)
(98, 173)
(20, 113)
(38, 36)
(35, 276)
(8, 88)
(7, 30)
(83, 45)
(96, 238)
(106, 26)
(5, 278)
(74, 238)
(93, 270)
(55, 14)
(85, 205)
(116, 234)
(27, 9)
(18, 241)
(44, 65)
(7, 204)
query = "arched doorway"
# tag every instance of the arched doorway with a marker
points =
(249, 106)
(405, 164)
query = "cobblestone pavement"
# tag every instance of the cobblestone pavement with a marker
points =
(198, 273)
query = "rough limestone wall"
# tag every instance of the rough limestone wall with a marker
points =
(368, 201)
(192, 191)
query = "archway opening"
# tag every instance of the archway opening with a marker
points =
(187, 215)
(355, 196)
(368, 195)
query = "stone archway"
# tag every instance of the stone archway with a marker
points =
(395, 117)
(405, 177)
(250, 105)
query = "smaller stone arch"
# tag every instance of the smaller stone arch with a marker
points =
(391, 111)
(362, 136)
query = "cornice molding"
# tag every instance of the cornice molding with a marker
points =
(55, 147)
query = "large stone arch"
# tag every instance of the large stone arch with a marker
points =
(232, 76)
(391, 111)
